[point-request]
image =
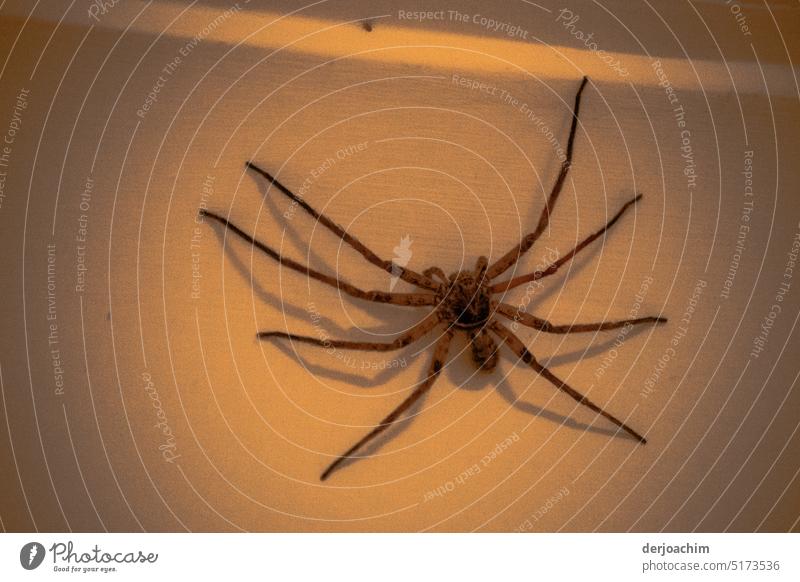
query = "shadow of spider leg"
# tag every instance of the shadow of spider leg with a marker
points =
(512, 256)
(408, 275)
(516, 346)
(412, 335)
(439, 355)
(407, 299)
(547, 327)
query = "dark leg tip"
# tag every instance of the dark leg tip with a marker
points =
(208, 214)
(327, 472)
(251, 166)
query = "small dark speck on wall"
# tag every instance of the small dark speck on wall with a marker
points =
(366, 25)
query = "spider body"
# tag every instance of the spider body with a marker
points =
(464, 301)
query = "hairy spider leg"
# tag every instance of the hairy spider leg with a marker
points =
(439, 355)
(390, 267)
(412, 335)
(377, 296)
(522, 279)
(512, 256)
(547, 327)
(516, 346)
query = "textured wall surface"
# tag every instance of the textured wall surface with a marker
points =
(135, 395)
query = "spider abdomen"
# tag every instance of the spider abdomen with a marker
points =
(484, 350)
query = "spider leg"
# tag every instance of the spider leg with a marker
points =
(512, 256)
(516, 346)
(390, 267)
(350, 289)
(439, 355)
(547, 327)
(517, 281)
(412, 335)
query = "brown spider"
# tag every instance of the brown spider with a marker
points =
(463, 301)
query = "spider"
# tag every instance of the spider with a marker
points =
(461, 302)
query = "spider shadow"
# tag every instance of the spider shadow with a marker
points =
(572, 357)
(293, 234)
(556, 282)
(469, 382)
(459, 372)
(468, 378)
(391, 433)
(463, 375)
(508, 394)
(548, 291)
(598, 349)
(337, 374)
(269, 196)
(273, 300)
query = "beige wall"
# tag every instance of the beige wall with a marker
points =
(463, 172)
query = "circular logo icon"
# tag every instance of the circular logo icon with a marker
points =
(31, 555)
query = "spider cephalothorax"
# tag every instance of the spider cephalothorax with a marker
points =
(464, 301)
